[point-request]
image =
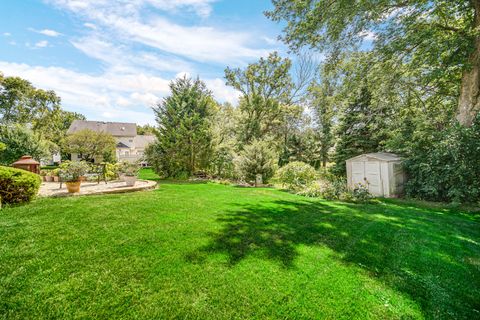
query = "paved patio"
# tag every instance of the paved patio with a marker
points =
(52, 189)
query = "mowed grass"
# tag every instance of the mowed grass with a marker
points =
(207, 251)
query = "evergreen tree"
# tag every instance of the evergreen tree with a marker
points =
(359, 131)
(184, 130)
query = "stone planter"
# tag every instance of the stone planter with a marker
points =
(56, 179)
(48, 178)
(130, 180)
(73, 186)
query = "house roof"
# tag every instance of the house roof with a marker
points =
(116, 129)
(142, 141)
(382, 156)
(122, 145)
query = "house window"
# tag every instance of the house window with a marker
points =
(130, 140)
(79, 156)
(127, 153)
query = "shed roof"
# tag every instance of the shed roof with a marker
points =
(382, 156)
(117, 129)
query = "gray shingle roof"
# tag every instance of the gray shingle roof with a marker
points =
(141, 141)
(122, 145)
(116, 129)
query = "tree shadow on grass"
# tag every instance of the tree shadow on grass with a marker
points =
(430, 254)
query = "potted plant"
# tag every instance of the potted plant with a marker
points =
(43, 174)
(48, 176)
(55, 173)
(71, 173)
(128, 173)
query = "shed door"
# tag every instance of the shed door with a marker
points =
(358, 173)
(372, 173)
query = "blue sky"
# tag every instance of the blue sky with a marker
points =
(113, 59)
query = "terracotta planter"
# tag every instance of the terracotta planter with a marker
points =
(56, 179)
(48, 178)
(130, 180)
(73, 186)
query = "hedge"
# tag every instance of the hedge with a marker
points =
(17, 186)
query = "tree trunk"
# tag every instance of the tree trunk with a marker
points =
(469, 101)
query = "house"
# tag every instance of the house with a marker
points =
(130, 146)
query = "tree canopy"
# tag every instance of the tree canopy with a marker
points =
(184, 129)
(436, 41)
(89, 145)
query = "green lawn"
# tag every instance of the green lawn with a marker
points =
(208, 251)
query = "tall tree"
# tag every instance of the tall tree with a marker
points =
(184, 129)
(321, 100)
(22, 103)
(438, 39)
(357, 132)
(266, 86)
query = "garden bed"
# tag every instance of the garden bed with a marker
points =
(52, 189)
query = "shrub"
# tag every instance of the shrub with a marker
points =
(360, 193)
(257, 158)
(335, 188)
(332, 187)
(447, 169)
(111, 170)
(17, 186)
(296, 175)
(18, 141)
(313, 190)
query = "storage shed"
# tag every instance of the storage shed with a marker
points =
(382, 172)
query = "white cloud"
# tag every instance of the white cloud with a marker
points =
(6, 34)
(221, 92)
(122, 96)
(270, 41)
(120, 57)
(41, 44)
(49, 32)
(202, 8)
(126, 96)
(90, 25)
(135, 23)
